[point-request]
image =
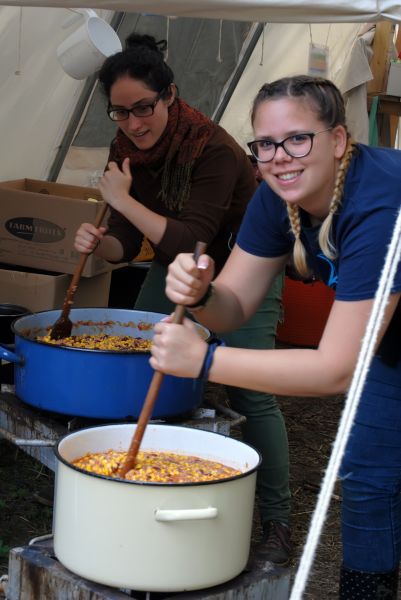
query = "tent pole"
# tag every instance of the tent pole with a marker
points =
(235, 77)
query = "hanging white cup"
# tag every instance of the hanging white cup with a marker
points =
(83, 52)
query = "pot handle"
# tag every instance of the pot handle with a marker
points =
(11, 437)
(185, 514)
(10, 356)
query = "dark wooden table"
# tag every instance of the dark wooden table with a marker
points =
(35, 574)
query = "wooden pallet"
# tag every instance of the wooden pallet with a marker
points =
(35, 574)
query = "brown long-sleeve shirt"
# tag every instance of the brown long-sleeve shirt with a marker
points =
(223, 182)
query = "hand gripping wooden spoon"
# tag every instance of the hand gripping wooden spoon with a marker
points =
(153, 392)
(63, 326)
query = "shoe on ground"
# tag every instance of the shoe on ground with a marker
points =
(276, 546)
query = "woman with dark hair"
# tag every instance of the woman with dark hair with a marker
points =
(176, 177)
(332, 205)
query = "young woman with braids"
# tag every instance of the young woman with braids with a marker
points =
(176, 177)
(332, 205)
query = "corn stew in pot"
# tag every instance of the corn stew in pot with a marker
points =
(156, 467)
(103, 341)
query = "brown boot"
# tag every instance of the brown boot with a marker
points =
(275, 546)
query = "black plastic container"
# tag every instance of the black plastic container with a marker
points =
(8, 314)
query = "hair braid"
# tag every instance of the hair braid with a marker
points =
(300, 261)
(325, 239)
(325, 243)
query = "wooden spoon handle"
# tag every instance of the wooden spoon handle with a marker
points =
(153, 391)
(68, 300)
(84, 257)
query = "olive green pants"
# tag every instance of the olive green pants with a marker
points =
(264, 428)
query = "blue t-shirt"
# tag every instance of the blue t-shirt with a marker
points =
(362, 229)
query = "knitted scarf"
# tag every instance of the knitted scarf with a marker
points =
(182, 142)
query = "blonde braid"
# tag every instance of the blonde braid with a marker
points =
(299, 251)
(325, 241)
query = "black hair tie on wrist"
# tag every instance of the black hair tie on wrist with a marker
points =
(204, 300)
(208, 360)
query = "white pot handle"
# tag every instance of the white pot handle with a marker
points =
(78, 13)
(185, 514)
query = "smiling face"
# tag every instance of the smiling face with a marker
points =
(144, 132)
(307, 181)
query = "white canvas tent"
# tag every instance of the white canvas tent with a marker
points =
(286, 53)
(39, 99)
(271, 11)
(41, 103)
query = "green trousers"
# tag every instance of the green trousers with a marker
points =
(264, 428)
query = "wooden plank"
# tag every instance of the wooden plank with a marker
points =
(393, 128)
(388, 105)
(28, 423)
(380, 61)
(34, 574)
(397, 42)
(395, 118)
(388, 115)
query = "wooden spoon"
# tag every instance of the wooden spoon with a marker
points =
(63, 326)
(153, 392)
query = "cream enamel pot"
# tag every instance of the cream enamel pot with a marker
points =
(154, 537)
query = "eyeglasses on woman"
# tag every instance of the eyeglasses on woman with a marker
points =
(297, 145)
(117, 113)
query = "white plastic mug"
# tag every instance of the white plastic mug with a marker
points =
(83, 52)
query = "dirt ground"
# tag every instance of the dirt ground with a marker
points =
(312, 426)
(26, 490)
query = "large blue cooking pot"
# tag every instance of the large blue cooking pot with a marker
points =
(94, 383)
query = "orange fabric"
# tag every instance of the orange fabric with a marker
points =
(306, 307)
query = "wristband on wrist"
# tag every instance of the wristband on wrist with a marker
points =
(208, 360)
(203, 301)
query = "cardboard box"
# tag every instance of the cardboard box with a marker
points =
(46, 291)
(38, 223)
(394, 79)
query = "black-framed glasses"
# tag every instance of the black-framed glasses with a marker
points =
(297, 145)
(117, 113)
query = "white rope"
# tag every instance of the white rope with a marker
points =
(263, 46)
(167, 38)
(365, 355)
(19, 47)
(219, 59)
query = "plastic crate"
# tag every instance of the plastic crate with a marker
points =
(306, 307)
